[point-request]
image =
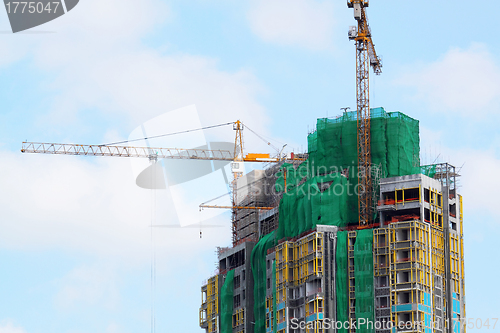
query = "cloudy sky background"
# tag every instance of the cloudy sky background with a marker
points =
(75, 241)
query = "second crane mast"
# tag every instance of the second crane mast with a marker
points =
(237, 173)
(365, 56)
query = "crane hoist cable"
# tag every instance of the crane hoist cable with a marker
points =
(168, 134)
(262, 138)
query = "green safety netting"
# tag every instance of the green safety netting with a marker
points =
(394, 147)
(293, 176)
(403, 145)
(333, 149)
(428, 170)
(258, 263)
(341, 280)
(363, 274)
(319, 200)
(226, 303)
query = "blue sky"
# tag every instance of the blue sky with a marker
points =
(75, 242)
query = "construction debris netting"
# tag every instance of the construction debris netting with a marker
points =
(429, 170)
(317, 200)
(341, 280)
(329, 178)
(363, 274)
(258, 263)
(226, 302)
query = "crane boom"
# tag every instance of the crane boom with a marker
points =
(143, 152)
(235, 207)
(125, 151)
(366, 56)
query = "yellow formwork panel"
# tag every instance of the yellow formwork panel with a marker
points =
(381, 249)
(239, 318)
(315, 305)
(455, 262)
(212, 326)
(462, 271)
(269, 313)
(204, 305)
(281, 295)
(213, 296)
(418, 249)
(306, 259)
(400, 199)
(437, 246)
(436, 208)
(281, 316)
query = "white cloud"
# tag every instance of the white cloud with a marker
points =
(478, 169)
(301, 23)
(89, 285)
(144, 84)
(463, 80)
(113, 328)
(93, 207)
(96, 60)
(480, 180)
(8, 327)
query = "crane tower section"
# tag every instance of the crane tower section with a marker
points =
(365, 57)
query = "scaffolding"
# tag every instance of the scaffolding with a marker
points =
(239, 320)
(310, 257)
(270, 315)
(413, 274)
(209, 311)
(351, 240)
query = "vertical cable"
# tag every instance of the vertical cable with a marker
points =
(152, 251)
(153, 247)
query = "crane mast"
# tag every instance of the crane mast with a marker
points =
(365, 57)
(237, 173)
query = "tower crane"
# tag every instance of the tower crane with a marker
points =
(237, 157)
(365, 57)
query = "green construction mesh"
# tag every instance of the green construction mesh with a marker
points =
(293, 176)
(428, 170)
(226, 303)
(312, 142)
(394, 146)
(363, 274)
(403, 149)
(341, 280)
(319, 200)
(258, 263)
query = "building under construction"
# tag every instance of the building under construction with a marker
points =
(308, 265)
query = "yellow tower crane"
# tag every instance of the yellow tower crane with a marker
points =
(237, 158)
(365, 56)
